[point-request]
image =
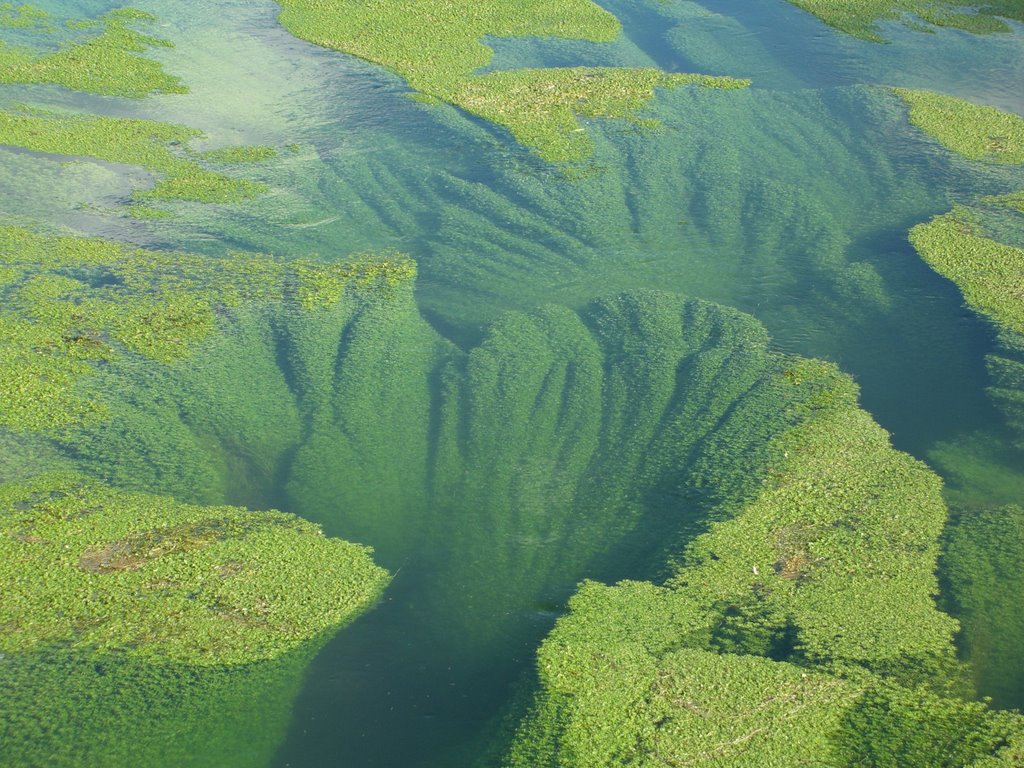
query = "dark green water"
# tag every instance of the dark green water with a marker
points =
(495, 460)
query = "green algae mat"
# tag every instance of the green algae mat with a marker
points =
(526, 384)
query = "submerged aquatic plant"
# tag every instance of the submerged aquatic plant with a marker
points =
(983, 563)
(65, 708)
(437, 47)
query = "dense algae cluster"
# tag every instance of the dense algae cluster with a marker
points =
(814, 573)
(169, 582)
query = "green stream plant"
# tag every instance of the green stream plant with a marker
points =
(976, 132)
(565, 443)
(982, 562)
(989, 273)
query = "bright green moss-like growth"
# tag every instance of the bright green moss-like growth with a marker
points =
(838, 550)
(106, 63)
(976, 132)
(69, 302)
(860, 17)
(436, 46)
(145, 143)
(101, 569)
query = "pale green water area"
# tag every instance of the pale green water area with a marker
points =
(583, 375)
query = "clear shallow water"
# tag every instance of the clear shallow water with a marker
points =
(790, 201)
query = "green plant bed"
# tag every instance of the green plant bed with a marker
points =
(860, 18)
(104, 570)
(991, 277)
(437, 47)
(990, 274)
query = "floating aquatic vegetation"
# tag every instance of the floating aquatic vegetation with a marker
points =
(861, 17)
(109, 62)
(105, 570)
(106, 61)
(437, 47)
(542, 107)
(976, 132)
(72, 302)
(781, 630)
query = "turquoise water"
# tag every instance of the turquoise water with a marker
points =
(480, 453)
